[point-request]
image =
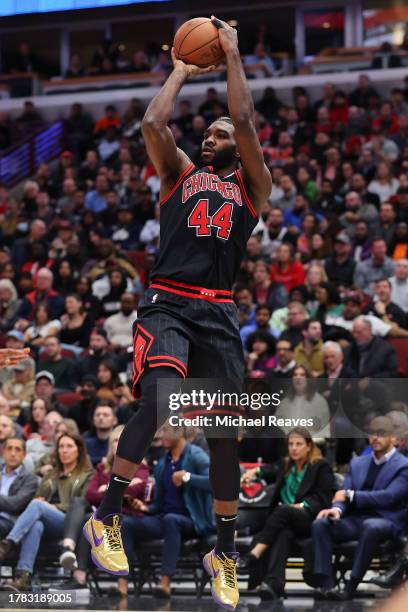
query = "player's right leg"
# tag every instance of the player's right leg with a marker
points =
(221, 562)
(102, 530)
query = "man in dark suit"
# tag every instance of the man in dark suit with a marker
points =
(371, 509)
(17, 486)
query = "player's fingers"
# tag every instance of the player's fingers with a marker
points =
(208, 69)
(17, 352)
(219, 23)
(173, 55)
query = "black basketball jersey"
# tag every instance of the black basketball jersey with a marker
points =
(205, 223)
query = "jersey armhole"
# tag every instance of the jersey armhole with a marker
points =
(187, 171)
(250, 206)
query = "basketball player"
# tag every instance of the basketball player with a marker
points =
(187, 321)
(12, 357)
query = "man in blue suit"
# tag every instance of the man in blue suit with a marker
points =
(371, 508)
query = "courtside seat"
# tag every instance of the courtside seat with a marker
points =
(149, 555)
(389, 547)
(384, 556)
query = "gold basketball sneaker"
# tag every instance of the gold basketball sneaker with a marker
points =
(106, 544)
(223, 572)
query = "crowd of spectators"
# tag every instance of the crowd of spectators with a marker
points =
(322, 297)
(110, 58)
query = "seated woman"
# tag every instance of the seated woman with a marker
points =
(9, 304)
(328, 302)
(304, 486)
(76, 323)
(35, 428)
(108, 379)
(261, 347)
(75, 554)
(303, 402)
(43, 325)
(45, 515)
(286, 270)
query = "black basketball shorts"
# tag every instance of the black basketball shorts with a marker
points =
(192, 329)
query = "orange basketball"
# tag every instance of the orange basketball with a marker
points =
(197, 42)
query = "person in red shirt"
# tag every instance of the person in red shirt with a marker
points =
(286, 270)
(339, 111)
(387, 119)
(110, 119)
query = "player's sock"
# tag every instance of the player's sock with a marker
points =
(112, 502)
(225, 534)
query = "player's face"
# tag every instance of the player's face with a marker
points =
(219, 148)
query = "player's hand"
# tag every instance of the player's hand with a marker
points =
(10, 357)
(228, 35)
(189, 69)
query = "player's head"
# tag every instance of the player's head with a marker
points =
(219, 148)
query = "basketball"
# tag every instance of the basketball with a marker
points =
(197, 42)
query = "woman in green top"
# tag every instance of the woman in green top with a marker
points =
(304, 486)
(45, 515)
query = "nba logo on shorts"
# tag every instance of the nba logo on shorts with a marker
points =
(154, 298)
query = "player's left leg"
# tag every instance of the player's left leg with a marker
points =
(102, 530)
(221, 562)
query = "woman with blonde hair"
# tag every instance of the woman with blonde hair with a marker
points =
(304, 486)
(9, 304)
(315, 274)
(384, 184)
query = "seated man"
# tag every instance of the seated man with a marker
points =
(371, 509)
(181, 508)
(17, 486)
(63, 369)
(103, 421)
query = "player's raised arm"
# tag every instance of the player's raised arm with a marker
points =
(256, 175)
(168, 160)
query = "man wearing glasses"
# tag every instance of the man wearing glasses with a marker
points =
(371, 509)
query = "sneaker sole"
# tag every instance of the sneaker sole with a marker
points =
(96, 562)
(78, 592)
(214, 595)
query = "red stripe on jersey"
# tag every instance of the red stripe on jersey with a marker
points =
(207, 298)
(189, 168)
(194, 287)
(247, 201)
